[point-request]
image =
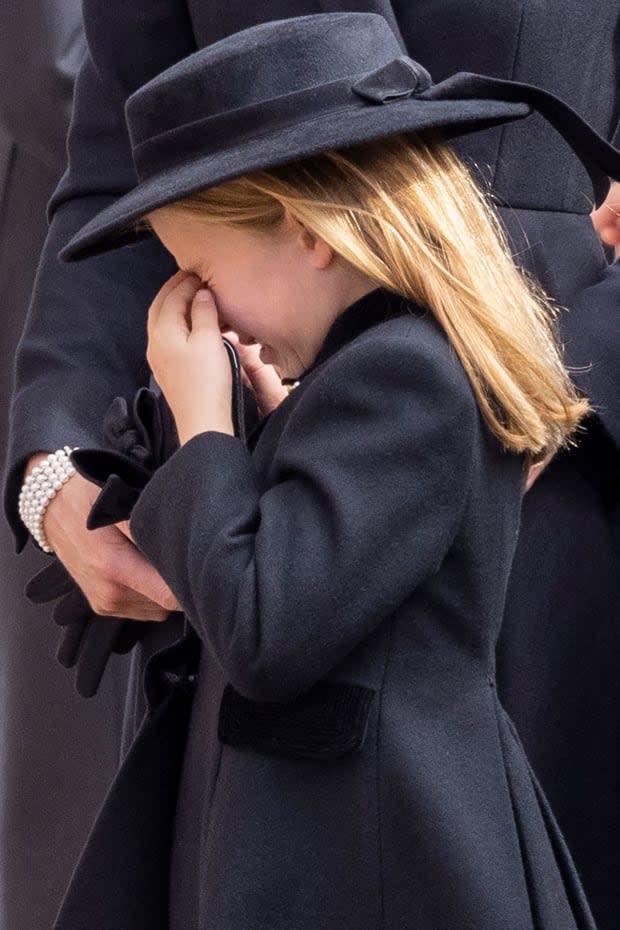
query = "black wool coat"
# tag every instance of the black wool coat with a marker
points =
(348, 762)
(48, 739)
(561, 630)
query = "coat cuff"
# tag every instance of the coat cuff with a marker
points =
(193, 494)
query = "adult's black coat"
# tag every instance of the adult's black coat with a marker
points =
(49, 787)
(548, 198)
(348, 762)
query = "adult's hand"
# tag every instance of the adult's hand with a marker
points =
(110, 570)
(535, 471)
(607, 218)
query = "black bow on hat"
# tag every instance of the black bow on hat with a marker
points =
(291, 88)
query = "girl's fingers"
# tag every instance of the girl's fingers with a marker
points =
(188, 282)
(250, 357)
(172, 315)
(264, 380)
(204, 313)
(232, 337)
(163, 292)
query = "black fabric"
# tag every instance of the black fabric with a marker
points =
(202, 122)
(57, 754)
(563, 664)
(140, 817)
(140, 440)
(326, 722)
(64, 384)
(110, 294)
(138, 444)
(40, 53)
(337, 547)
(599, 157)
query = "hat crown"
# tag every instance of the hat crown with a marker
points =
(258, 64)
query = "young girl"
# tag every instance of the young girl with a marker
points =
(348, 763)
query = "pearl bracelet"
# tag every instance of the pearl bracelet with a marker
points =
(39, 487)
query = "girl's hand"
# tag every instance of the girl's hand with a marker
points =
(188, 358)
(262, 379)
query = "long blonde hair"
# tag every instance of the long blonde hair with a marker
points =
(406, 212)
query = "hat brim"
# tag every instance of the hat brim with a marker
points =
(114, 226)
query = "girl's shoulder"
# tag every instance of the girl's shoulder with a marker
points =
(396, 386)
(404, 356)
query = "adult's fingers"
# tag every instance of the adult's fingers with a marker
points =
(104, 563)
(123, 526)
(136, 574)
(535, 471)
(606, 218)
(120, 601)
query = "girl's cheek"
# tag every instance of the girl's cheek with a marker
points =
(241, 323)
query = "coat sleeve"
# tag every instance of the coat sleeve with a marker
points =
(84, 338)
(365, 495)
(591, 330)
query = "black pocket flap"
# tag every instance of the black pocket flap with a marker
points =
(327, 721)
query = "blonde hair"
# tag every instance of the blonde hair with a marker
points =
(406, 212)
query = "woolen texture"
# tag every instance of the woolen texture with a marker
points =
(85, 336)
(283, 90)
(362, 539)
(50, 786)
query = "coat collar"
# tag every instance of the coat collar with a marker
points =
(374, 307)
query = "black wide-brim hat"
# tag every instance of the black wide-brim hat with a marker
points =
(292, 88)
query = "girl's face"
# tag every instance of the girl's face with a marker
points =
(282, 289)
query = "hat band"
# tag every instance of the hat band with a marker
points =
(398, 80)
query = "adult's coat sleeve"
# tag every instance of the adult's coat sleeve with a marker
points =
(283, 575)
(84, 339)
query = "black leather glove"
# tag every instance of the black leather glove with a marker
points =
(138, 440)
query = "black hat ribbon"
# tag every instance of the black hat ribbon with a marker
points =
(403, 78)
